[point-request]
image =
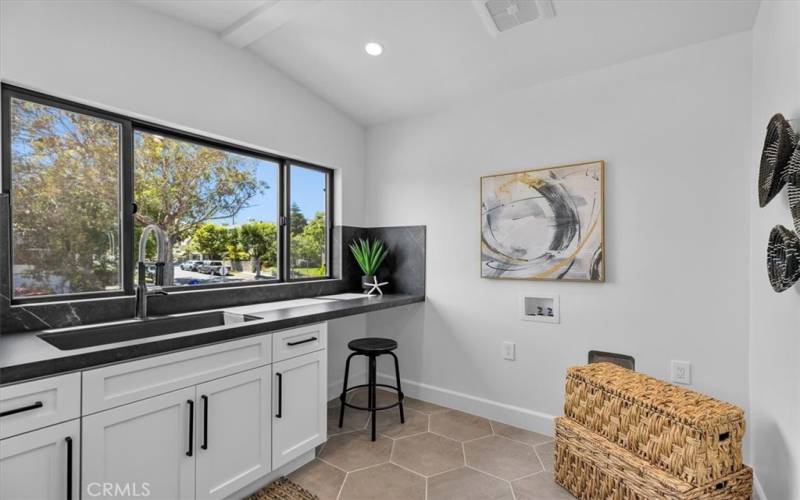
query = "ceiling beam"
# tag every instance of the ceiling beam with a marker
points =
(265, 19)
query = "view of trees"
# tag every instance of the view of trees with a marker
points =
(66, 201)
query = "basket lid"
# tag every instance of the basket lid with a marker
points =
(783, 258)
(690, 407)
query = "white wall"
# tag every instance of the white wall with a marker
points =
(774, 425)
(674, 132)
(125, 58)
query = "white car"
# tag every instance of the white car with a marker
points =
(191, 265)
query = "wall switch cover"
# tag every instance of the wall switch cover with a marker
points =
(509, 351)
(681, 372)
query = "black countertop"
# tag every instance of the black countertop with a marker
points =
(24, 356)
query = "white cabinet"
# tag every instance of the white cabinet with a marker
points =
(233, 432)
(299, 421)
(42, 464)
(147, 447)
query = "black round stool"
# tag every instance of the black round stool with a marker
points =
(372, 347)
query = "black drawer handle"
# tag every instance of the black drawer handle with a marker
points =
(306, 341)
(69, 467)
(191, 428)
(280, 395)
(35, 405)
(205, 422)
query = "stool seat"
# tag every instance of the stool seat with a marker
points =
(372, 345)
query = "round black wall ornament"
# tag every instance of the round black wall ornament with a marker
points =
(793, 186)
(783, 258)
(779, 145)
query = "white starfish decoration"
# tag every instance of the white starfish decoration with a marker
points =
(375, 286)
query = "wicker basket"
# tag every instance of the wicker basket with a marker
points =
(693, 437)
(591, 467)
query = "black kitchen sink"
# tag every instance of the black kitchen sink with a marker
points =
(80, 338)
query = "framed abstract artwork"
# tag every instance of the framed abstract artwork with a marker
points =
(544, 224)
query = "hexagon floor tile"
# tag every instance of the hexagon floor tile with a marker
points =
(388, 423)
(386, 481)
(353, 420)
(467, 484)
(521, 435)
(318, 477)
(545, 452)
(459, 425)
(502, 457)
(539, 487)
(428, 453)
(355, 450)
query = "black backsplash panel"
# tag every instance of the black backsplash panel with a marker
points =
(404, 269)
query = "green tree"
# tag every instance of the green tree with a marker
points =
(213, 241)
(259, 240)
(308, 247)
(65, 185)
(180, 186)
(297, 221)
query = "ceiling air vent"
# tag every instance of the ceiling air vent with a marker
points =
(502, 15)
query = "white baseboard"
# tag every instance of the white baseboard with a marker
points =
(757, 489)
(524, 418)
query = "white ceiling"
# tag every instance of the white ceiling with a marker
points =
(439, 52)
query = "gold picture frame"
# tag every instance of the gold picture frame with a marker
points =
(544, 224)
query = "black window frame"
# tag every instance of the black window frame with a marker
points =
(129, 125)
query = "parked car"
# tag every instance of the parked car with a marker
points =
(214, 267)
(191, 265)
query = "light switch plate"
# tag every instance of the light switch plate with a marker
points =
(681, 372)
(509, 350)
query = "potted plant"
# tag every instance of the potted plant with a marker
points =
(369, 255)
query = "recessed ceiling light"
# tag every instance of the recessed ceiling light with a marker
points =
(374, 48)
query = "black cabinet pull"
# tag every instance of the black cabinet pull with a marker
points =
(35, 405)
(280, 395)
(191, 428)
(205, 422)
(69, 467)
(312, 339)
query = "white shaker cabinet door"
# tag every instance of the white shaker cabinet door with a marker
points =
(42, 464)
(233, 432)
(143, 449)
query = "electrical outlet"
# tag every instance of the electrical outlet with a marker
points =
(681, 372)
(509, 350)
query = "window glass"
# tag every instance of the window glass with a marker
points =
(218, 208)
(65, 201)
(308, 249)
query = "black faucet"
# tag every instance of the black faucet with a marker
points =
(142, 292)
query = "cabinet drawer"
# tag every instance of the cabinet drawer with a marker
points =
(298, 341)
(116, 385)
(31, 405)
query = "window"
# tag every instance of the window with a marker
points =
(83, 183)
(308, 244)
(214, 205)
(65, 200)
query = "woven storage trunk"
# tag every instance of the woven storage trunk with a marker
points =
(693, 437)
(592, 468)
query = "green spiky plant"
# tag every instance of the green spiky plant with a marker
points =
(369, 255)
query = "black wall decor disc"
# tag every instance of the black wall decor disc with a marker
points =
(779, 144)
(793, 182)
(783, 258)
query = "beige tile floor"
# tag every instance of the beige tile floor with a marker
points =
(437, 454)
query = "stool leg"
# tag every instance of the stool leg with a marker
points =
(343, 397)
(400, 395)
(373, 403)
